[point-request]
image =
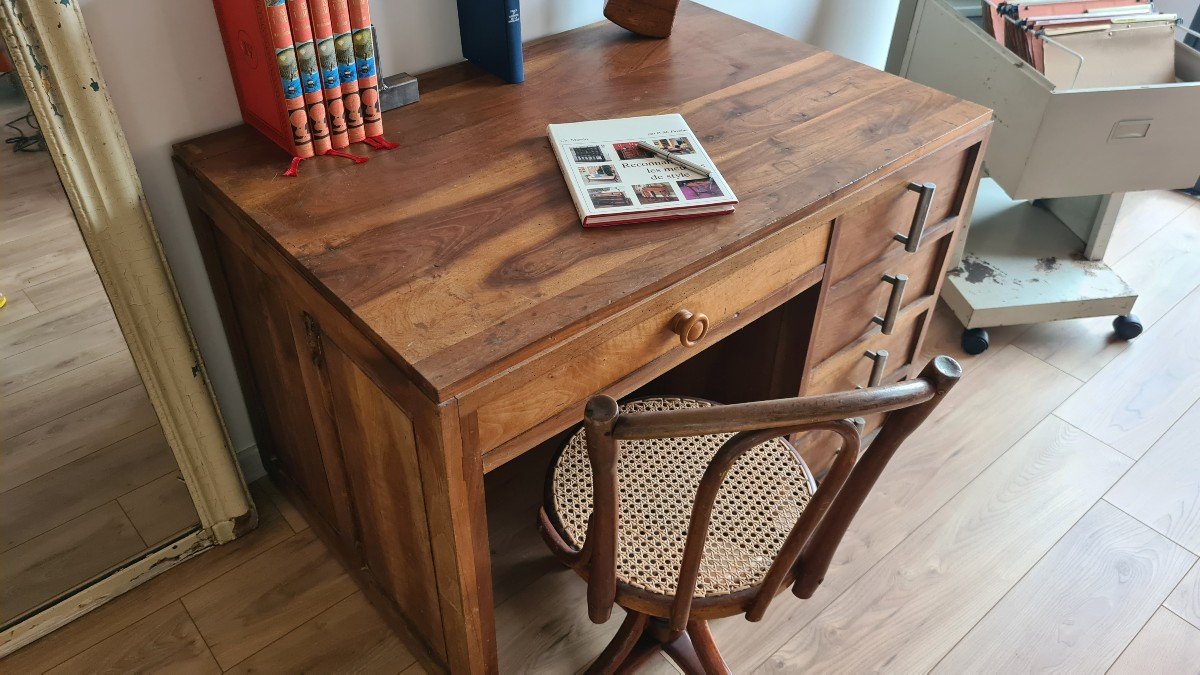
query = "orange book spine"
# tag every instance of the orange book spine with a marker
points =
(289, 73)
(331, 82)
(364, 58)
(310, 75)
(343, 42)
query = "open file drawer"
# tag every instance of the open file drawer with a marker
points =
(1051, 142)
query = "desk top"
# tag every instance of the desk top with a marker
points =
(462, 252)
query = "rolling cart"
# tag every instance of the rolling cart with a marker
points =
(1057, 167)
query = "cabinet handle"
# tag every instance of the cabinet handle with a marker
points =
(878, 364)
(895, 302)
(691, 328)
(912, 241)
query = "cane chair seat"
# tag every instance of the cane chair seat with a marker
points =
(756, 508)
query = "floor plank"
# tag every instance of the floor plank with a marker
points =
(1081, 604)
(945, 337)
(959, 440)
(47, 401)
(161, 510)
(155, 594)
(536, 636)
(268, 597)
(59, 442)
(1185, 600)
(60, 356)
(1160, 269)
(82, 485)
(348, 637)
(66, 288)
(513, 498)
(293, 516)
(35, 259)
(1143, 214)
(64, 557)
(17, 306)
(1163, 488)
(164, 642)
(1080, 347)
(42, 327)
(1140, 394)
(960, 562)
(1167, 644)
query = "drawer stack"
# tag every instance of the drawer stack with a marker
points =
(886, 262)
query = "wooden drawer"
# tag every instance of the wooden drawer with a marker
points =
(852, 304)
(867, 233)
(851, 367)
(731, 293)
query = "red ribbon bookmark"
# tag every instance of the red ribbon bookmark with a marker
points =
(380, 143)
(356, 158)
(294, 169)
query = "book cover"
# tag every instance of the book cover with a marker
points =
(331, 81)
(310, 75)
(491, 36)
(613, 181)
(343, 43)
(363, 37)
(266, 76)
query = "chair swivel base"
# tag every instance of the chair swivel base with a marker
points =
(641, 637)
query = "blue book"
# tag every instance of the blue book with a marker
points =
(491, 36)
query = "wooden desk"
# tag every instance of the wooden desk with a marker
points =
(404, 326)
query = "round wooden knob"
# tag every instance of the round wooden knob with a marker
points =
(691, 328)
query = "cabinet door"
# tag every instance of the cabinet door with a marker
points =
(328, 431)
(384, 481)
(285, 425)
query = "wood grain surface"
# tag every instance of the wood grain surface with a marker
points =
(462, 251)
(1167, 644)
(1137, 397)
(165, 641)
(944, 576)
(1075, 609)
(1185, 599)
(1163, 490)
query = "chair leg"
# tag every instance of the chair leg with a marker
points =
(683, 653)
(622, 645)
(706, 648)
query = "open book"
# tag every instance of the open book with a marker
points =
(614, 182)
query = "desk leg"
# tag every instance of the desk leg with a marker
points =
(454, 501)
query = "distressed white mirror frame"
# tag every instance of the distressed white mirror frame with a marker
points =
(53, 55)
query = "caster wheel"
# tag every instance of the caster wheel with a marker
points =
(974, 341)
(1127, 327)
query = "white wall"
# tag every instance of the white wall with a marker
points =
(857, 29)
(169, 81)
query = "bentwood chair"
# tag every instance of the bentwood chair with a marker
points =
(682, 511)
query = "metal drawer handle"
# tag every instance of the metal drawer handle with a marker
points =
(878, 364)
(691, 328)
(912, 241)
(895, 302)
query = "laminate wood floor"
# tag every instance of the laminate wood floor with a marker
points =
(1047, 517)
(87, 480)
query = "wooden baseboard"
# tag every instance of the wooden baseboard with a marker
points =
(134, 574)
